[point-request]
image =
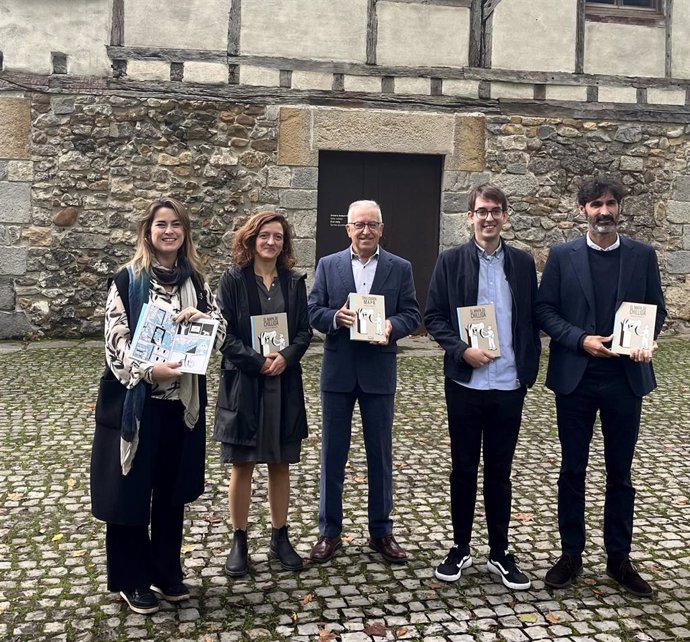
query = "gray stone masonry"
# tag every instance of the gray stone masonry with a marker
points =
(52, 558)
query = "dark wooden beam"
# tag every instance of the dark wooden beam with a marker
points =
(117, 28)
(490, 7)
(475, 51)
(487, 37)
(668, 58)
(372, 32)
(437, 3)
(234, 27)
(580, 38)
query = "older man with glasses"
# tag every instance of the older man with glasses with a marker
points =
(355, 371)
(484, 393)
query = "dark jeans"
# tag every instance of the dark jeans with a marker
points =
(619, 410)
(377, 426)
(492, 417)
(135, 557)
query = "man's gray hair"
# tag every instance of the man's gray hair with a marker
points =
(357, 204)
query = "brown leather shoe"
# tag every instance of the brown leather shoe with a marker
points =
(325, 548)
(390, 550)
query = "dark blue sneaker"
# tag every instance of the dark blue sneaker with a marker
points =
(505, 566)
(450, 569)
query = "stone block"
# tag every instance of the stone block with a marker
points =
(294, 137)
(305, 251)
(62, 105)
(298, 199)
(37, 236)
(15, 128)
(14, 325)
(454, 202)
(678, 301)
(631, 164)
(279, 176)
(305, 178)
(66, 217)
(678, 262)
(516, 185)
(678, 212)
(303, 223)
(455, 229)
(20, 171)
(7, 296)
(383, 131)
(13, 261)
(469, 144)
(16, 202)
(681, 188)
(3, 170)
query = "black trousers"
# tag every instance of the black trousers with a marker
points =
(136, 556)
(619, 410)
(487, 420)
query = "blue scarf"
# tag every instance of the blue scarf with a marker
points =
(135, 398)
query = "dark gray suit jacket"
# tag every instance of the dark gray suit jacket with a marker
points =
(349, 363)
(565, 309)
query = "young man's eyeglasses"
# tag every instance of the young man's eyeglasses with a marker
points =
(372, 225)
(482, 212)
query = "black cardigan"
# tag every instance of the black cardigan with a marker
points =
(455, 283)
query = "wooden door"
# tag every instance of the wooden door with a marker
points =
(408, 189)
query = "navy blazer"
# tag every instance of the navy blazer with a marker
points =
(565, 309)
(349, 363)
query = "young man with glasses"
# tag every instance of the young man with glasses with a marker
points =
(355, 371)
(484, 393)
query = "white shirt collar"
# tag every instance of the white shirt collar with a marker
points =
(613, 246)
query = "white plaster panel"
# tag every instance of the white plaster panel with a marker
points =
(538, 35)
(458, 87)
(259, 76)
(680, 54)
(312, 80)
(417, 35)
(192, 24)
(29, 31)
(511, 90)
(656, 96)
(148, 70)
(566, 92)
(624, 50)
(318, 29)
(383, 131)
(609, 94)
(413, 86)
(371, 84)
(212, 73)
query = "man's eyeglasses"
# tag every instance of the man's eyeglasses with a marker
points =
(482, 212)
(372, 225)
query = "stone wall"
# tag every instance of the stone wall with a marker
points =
(90, 164)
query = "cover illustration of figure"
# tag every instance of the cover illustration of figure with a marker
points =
(364, 317)
(628, 328)
(269, 339)
(474, 331)
(645, 338)
(489, 336)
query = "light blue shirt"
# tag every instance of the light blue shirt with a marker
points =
(363, 274)
(501, 373)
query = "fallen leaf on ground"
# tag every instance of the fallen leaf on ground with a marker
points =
(71, 483)
(293, 616)
(15, 497)
(90, 406)
(680, 501)
(309, 597)
(359, 479)
(435, 585)
(552, 617)
(57, 538)
(347, 538)
(375, 628)
(213, 519)
(325, 634)
(78, 553)
(523, 517)
(188, 548)
(401, 632)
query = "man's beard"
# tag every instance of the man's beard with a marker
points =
(604, 225)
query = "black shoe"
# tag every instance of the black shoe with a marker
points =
(564, 571)
(505, 566)
(141, 601)
(237, 563)
(450, 569)
(172, 592)
(625, 573)
(283, 551)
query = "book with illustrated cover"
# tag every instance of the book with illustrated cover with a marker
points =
(370, 323)
(270, 333)
(158, 338)
(633, 327)
(478, 327)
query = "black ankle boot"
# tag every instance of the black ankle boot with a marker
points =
(283, 551)
(237, 563)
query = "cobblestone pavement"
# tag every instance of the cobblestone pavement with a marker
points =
(52, 563)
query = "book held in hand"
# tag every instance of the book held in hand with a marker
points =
(158, 338)
(633, 327)
(370, 323)
(269, 333)
(478, 327)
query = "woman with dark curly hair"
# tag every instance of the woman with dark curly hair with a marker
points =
(148, 453)
(260, 417)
